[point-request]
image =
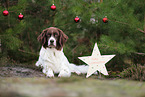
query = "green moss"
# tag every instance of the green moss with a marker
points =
(77, 86)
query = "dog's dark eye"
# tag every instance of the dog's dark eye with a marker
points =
(55, 34)
(49, 35)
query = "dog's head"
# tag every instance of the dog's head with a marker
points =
(53, 38)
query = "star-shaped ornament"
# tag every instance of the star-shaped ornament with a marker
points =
(96, 61)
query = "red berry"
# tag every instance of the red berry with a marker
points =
(105, 20)
(20, 17)
(77, 19)
(53, 7)
(5, 12)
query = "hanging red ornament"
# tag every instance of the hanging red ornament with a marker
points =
(53, 7)
(5, 12)
(77, 19)
(105, 20)
(20, 17)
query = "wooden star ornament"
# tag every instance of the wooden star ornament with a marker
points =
(96, 61)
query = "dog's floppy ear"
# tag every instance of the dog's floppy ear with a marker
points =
(42, 38)
(61, 39)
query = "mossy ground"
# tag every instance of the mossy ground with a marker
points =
(75, 86)
(21, 81)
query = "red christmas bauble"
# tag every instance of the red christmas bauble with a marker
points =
(53, 7)
(77, 19)
(20, 17)
(105, 20)
(5, 12)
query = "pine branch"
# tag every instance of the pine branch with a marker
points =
(141, 30)
(120, 22)
(26, 52)
(139, 53)
(144, 23)
(128, 24)
(144, 27)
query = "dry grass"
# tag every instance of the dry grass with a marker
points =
(134, 72)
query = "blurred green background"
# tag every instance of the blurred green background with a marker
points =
(123, 35)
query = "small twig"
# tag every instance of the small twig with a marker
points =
(141, 30)
(139, 53)
(120, 22)
(26, 52)
(74, 48)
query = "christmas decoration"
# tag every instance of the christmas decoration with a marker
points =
(5, 12)
(20, 17)
(53, 7)
(96, 61)
(77, 19)
(105, 20)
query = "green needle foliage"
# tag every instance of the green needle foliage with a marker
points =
(122, 35)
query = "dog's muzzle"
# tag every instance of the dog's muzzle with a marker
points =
(52, 42)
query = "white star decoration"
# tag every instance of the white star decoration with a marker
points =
(96, 61)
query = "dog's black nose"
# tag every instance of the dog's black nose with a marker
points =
(51, 41)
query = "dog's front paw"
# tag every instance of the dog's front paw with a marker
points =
(64, 73)
(49, 73)
(38, 64)
(78, 73)
(44, 71)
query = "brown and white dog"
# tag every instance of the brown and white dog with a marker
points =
(51, 56)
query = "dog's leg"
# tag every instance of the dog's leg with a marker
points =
(64, 73)
(44, 71)
(49, 73)
(39, 62)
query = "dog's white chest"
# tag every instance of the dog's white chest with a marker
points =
(53, 58)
